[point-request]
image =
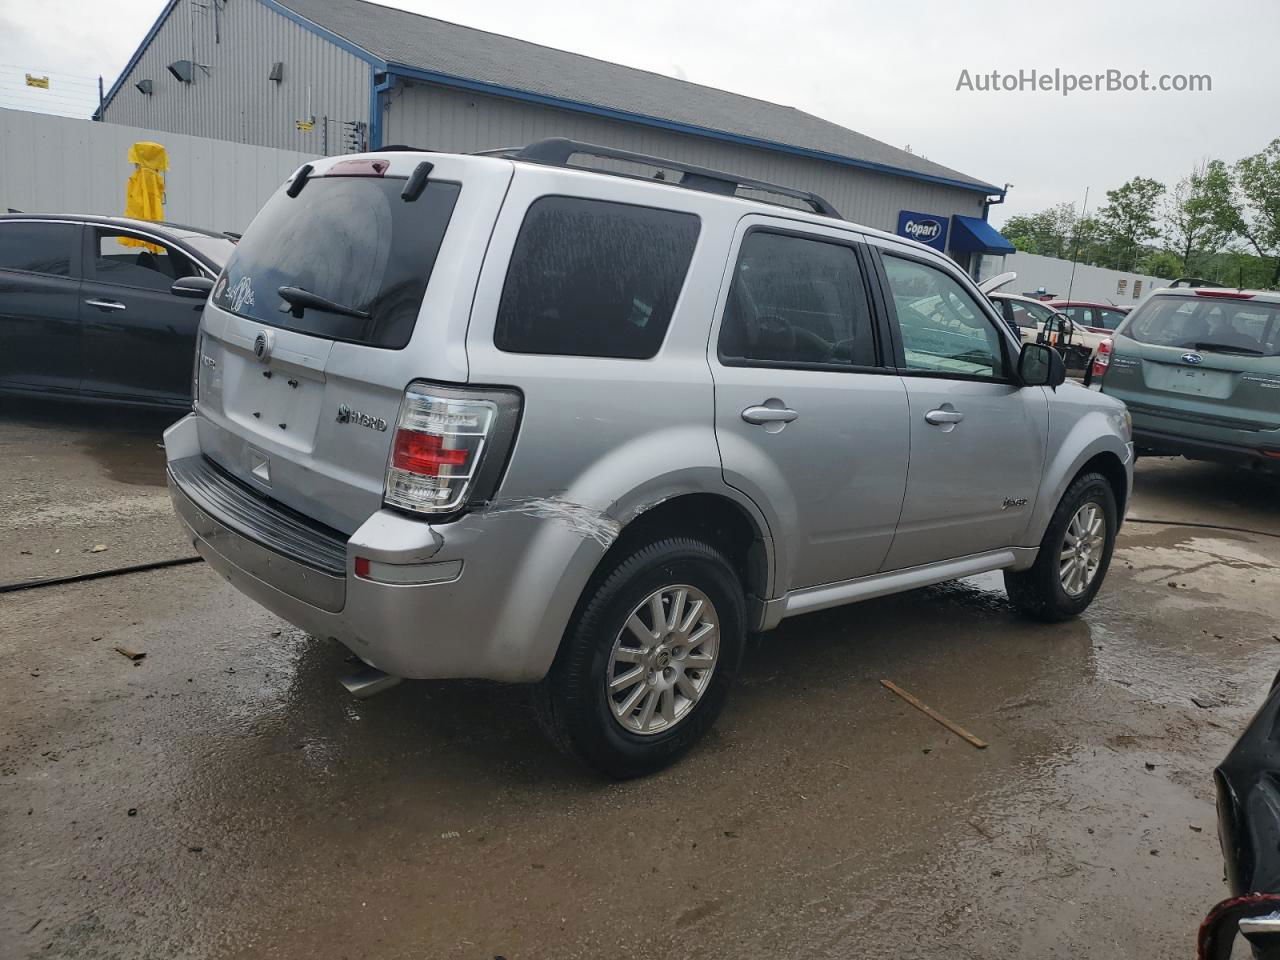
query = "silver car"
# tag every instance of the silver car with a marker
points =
(506, 417)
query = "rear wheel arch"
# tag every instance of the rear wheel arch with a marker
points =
(714, 519)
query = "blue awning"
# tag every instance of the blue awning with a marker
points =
(969, 234)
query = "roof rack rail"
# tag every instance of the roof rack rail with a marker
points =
(557, 151)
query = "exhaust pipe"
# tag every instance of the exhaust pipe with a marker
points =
(367, 681)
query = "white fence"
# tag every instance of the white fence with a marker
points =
(54, 164)
(1091, 283)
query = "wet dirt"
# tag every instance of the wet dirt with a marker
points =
(273, 816)
(79, 477)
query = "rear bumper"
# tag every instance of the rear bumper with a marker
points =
(1162, 443)
(501, 587)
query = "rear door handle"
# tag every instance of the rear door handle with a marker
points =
(106, 304)
(769, 415)
(938, 417)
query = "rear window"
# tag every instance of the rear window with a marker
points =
(591, 278)
(1208, 324)
(350, 240)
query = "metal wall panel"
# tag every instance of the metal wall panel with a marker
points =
(234, 100)
(1082, 281)
(54, 164)
(439, 118)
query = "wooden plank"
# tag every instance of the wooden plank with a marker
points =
(930, 712)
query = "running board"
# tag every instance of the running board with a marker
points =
(881, 584)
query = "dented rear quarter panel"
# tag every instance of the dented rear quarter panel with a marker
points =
(601, 440)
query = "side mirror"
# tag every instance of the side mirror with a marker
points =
(1039, 365)
(193, 288)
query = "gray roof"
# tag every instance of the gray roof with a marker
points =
(438, 46)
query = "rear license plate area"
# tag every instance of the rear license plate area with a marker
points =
(1212, 384)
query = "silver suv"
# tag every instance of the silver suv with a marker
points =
(509, 417)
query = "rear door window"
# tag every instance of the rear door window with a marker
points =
(35, 247)
(593, 278)
(1081, 315)
(352, 241)
(796, 301)
(131, 261)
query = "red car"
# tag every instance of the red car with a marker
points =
(1098, 317)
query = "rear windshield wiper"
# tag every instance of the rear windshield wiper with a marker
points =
(299, 299)
(1228, 348)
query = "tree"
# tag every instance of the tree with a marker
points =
(1129, 220)
(1199, 213)
(1162, 263)
(1047, 232)
(1258, 196)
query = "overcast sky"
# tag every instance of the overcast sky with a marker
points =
(886, 69)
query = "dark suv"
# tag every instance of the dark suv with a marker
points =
(89, 309)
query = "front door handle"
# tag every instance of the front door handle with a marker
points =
(769, 414)
(107, 304)
(939, 417)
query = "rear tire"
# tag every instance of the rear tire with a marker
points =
(1073, 557)
(685, 673)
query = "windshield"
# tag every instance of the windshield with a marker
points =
(350, 242)
(1208, 324)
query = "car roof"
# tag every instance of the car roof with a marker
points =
(1019, 297)
(1122, 307)
(163, 226)
(407, 158)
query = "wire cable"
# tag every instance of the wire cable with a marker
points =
(1202, 526)
(20, 585)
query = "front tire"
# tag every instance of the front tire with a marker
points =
(646, 663)
(1074, 554)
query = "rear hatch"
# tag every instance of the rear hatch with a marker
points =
(1204, 365)
(339, 294)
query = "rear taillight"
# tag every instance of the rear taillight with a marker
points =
(450, 447)
(1101, 360)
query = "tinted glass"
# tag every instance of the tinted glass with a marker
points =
(1208, 325)
(590, 278)
(943, 329)
(1110, 318)
(38, 247)
(796, 300)
(125, 259)
(352, 241)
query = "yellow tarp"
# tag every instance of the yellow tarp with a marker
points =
(144, 195)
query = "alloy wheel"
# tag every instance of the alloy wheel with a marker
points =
(1082, 549)
(662, 659)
